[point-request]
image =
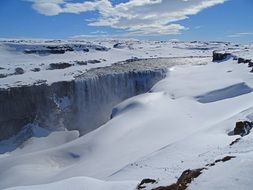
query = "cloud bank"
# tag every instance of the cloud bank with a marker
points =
(137, 17)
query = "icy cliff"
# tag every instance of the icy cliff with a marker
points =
(84, 103)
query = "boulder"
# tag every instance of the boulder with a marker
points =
(35, 69)
(81, 62)
(182, 183)
(60, 65)
(220, 56)
(144, 182)
(94, 61)
(242, 60)
(243, 128)
(19, 71)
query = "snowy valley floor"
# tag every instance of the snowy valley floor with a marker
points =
(182, 123)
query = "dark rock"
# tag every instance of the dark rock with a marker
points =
(69, 49)
(243, 128)
(122, 46)
(117, 45)
(59, 66)
(101, 48)
(144, 182)
(20, 106)
(56, 51)
(227, 158)
(35, 69)
(93, 61)
(188, 176)
(220, 56)
(182, 183)
(74, 155)
(3, 75)
(132, 60)
(242, 60)
(46, 51)
(235, 141)
(86, 50)
(52, 47)
(250, 64)
(19, 71)
(81, 62)
(40, 82)
(30, 51)
(65, 48)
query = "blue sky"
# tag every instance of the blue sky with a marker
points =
(222, 20)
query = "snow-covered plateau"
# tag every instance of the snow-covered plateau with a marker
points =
(125, 114)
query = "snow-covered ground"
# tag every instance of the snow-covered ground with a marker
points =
(33, 58)
(182, 123)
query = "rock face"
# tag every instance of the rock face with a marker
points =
(59, 49)
(83, 104)
(243, 128)
(182, 183)
(144, 182)
(242, 60)
(220, 56)
(31, 104)
(59, 65)
(19, 71)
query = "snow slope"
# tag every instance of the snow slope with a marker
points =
(78, 183)
(183, 122)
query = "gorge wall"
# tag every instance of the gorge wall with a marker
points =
(82, 104)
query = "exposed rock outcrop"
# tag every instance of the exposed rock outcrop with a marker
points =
(235, 141)
(220, 56)
(182, 183)
(144, 182)
(46, 51)
(19, 71)
(35, 69)
(242, 128)
(242, 60)
(61, 49)
(189, 175)
(93, 61)
(53, 66)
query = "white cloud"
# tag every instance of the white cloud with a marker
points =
(239, 35)
(147, 17)
(48, 7)
(98, 32)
